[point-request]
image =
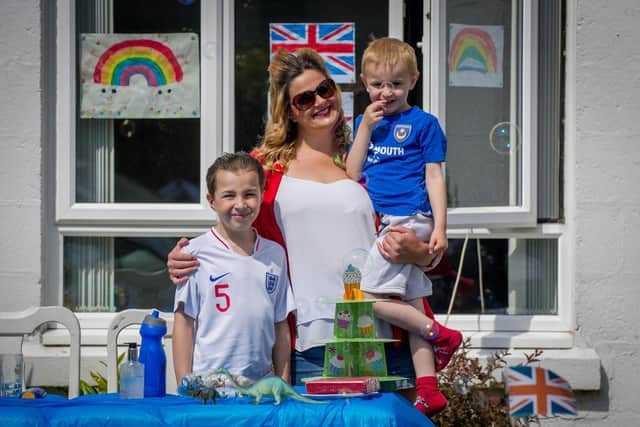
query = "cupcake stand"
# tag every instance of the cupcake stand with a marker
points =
(355, 356)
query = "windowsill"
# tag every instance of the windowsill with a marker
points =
(541, 340)
(578, 365)
(479, 340)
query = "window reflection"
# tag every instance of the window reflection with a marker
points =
(138, 160)
(484, 123)
(156, 160)
(104, 274)
(252, 51)
(519, 276)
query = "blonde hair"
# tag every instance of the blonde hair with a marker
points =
(389, 52)
(278, 143)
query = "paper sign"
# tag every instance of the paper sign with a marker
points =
(139, 76)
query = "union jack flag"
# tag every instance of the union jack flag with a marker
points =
(335, 42)
(538, 391)
(347, 108)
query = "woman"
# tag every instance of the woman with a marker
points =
(312, 208)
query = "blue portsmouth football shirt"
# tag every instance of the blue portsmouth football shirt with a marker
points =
(400, 147)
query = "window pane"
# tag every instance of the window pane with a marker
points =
(483, 98)
(252, 50)
(112, 274)
(519, 276)
(137, 160)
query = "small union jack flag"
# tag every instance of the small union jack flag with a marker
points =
(538, 391)
(335, 42)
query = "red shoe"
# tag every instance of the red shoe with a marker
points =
(445, 344)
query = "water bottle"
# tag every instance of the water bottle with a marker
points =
(132, 375)
(152, 355)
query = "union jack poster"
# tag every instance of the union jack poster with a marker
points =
(335, 42)
(538, 391)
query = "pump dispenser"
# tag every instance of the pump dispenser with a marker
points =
(132, 375)
(152, 355)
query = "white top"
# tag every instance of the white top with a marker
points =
(322, 224)
(235, 300)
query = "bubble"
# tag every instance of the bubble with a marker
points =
(504, 138)
(358, 258)
(128, 128)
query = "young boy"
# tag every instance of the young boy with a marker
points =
(400, 149)
(232, 311)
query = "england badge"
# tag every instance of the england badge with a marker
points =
(271, 283)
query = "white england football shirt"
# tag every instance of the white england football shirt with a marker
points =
(235, 301)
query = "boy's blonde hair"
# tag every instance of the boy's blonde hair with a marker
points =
(389, 52)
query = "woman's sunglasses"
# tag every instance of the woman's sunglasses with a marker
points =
(305, 100)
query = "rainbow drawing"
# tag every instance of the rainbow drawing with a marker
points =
(153, 60)
(131, 76)
(473, 49)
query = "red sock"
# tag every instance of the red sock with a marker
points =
(430, 400)
(445, 342)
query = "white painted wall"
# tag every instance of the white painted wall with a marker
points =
(606, 207)
(20, 154)
(602, 193)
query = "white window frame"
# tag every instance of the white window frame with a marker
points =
(486, 331)
(500, 222)
(217, 135)
(115, 220)
(435, 32)
(67, 210)
(540, 331)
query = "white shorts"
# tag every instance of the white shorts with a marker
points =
(405, 280)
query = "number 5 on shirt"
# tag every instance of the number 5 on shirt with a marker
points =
(219, 290)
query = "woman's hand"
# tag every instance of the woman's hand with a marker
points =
(180, 264)
(401, 246)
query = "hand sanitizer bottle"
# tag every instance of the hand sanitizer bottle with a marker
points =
(132, 375)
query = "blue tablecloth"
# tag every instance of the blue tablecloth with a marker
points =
(383, 409)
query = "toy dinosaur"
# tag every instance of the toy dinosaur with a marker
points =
(201, 387)
(210, 385)
(270, 386)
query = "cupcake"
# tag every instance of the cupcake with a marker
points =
(336, 365)
(351, 279)
(365, 325)
(344, 319)
(374, 362)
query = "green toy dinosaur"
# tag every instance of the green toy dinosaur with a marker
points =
(270, 386)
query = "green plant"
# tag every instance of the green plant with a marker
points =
(100, 386)
(476, 397)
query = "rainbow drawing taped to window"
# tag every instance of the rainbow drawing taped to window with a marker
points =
(139, 76)
(475, 55)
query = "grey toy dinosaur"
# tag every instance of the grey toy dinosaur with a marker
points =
(270, 386)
